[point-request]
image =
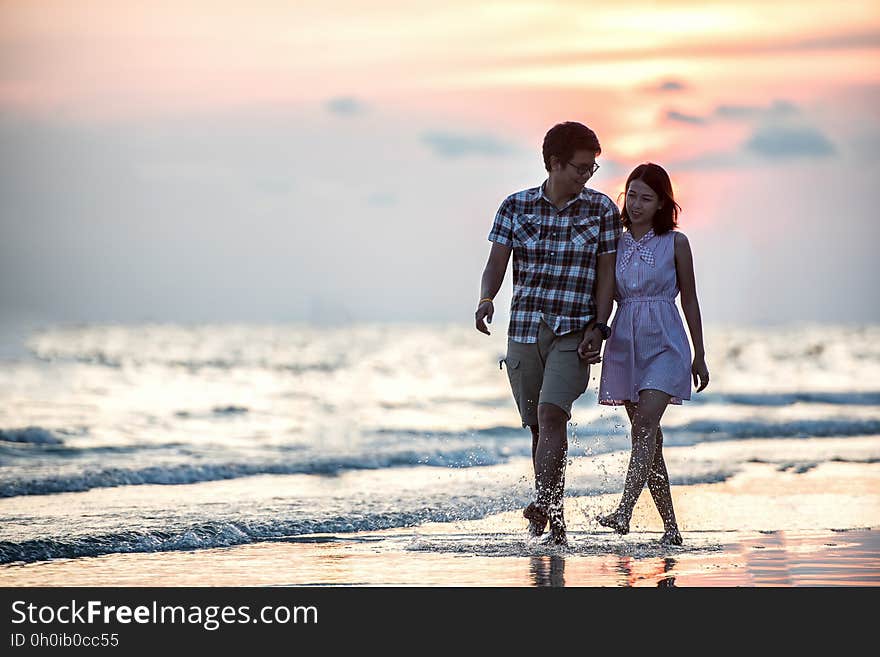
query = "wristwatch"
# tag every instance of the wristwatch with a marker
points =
(604, 329)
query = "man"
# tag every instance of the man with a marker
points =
(563, 237)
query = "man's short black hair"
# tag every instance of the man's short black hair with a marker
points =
(563, 139)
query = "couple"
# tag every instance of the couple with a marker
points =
(571, 259)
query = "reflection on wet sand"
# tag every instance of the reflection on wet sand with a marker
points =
(635, 572)
(817, 558)
(547, 571)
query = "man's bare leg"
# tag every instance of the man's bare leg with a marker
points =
(536, 517)
(550, 458)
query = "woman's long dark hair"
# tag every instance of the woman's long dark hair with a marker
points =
(655, 177)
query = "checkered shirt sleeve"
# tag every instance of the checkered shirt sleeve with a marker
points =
(502, 227)
(609, 230)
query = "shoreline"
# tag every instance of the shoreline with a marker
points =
(764, 526)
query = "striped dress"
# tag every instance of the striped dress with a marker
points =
(648, 346)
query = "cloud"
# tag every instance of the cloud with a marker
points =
(680, 117)
(382, 200)
(669, 85)
(777, 109)
(851, 40)
(789, 142)
(769, 143)
(345, 106)
(446, 144)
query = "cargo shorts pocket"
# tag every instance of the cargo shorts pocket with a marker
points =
(574, 371)
(513, 371)
(515, 376)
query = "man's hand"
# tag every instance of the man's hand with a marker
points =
(484, 311)
(591, 346)
(700, 373)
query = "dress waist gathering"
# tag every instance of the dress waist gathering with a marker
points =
(643, 299)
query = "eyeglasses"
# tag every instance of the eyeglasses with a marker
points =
(585, 169)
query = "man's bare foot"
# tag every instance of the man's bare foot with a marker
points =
(557, 527)
(671, 537)
(615, 522)
(537, 518)
(557, 536)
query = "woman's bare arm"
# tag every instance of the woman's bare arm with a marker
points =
(690, 305)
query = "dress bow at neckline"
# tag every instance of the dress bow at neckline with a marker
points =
(640, 246)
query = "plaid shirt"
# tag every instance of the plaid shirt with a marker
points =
(554, 258)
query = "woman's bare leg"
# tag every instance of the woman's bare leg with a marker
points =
(645, 420)
(658, 484)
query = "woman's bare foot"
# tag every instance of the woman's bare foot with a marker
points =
(671, 537)
(615, 521)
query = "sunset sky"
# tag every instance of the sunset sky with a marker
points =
(336, 161)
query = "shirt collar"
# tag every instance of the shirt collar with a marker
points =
(538, 194)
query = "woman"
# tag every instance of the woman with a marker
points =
(647, 360)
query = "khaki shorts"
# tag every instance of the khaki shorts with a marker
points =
(546, 372)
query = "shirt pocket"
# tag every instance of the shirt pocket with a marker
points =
(585, 232)
(527, 230)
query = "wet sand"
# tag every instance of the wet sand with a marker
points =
(765, 526)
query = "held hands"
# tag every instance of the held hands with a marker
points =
(590, 347)
(484, 311)
(701, 372)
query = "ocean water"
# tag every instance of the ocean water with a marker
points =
(157, 437)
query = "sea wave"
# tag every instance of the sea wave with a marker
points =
(394, 448)
(117, 361)
(31, 435)
(186, 473)
(226, 533)
(845, 398)
(605, 430)
(743, 429)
